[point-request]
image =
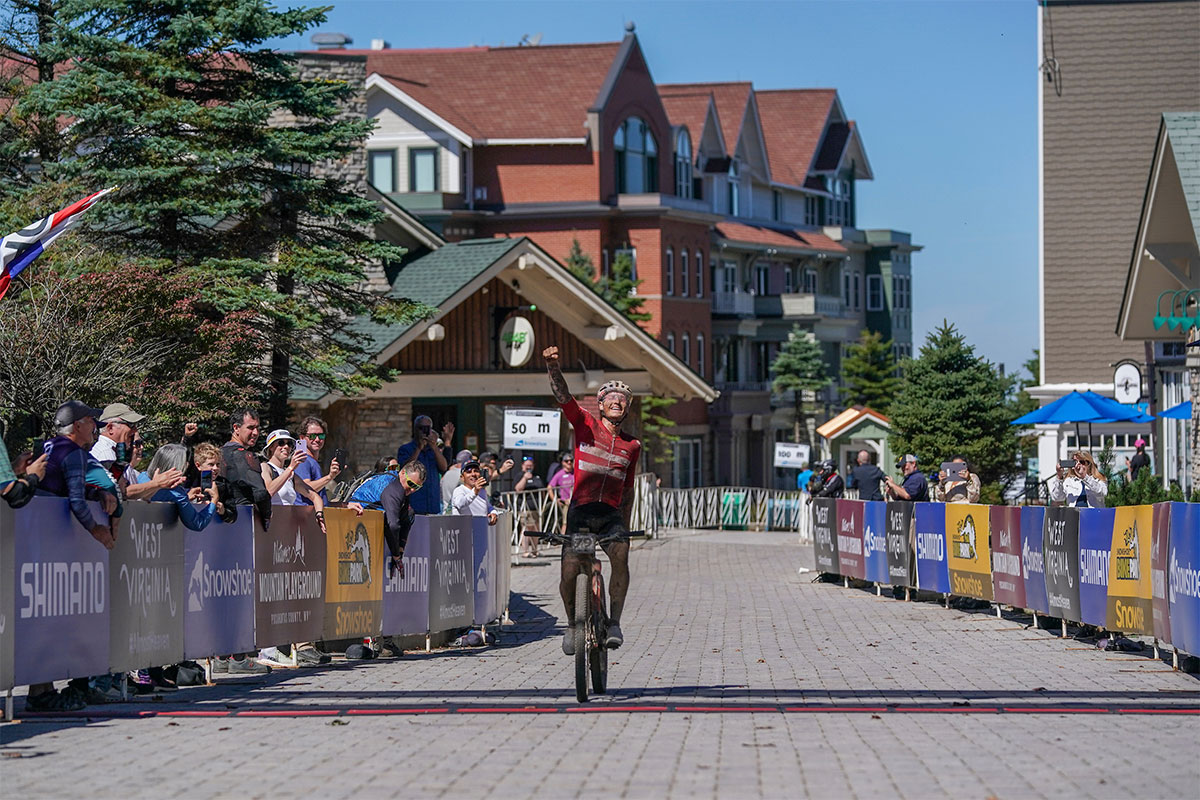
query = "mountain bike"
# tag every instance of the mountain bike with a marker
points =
(591, 615)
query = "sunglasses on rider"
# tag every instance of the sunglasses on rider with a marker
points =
(412, 482)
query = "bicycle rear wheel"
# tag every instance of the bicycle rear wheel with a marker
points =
(583, 619)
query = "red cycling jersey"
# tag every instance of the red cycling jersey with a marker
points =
(604, 464)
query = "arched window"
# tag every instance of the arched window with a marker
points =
(699, 274)
(687, 350)
(636, 156)
(671, 343)
(683, 164)
(683, 271)
(671, 271)
(700, 354)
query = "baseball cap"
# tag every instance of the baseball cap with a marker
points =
(119, 412)
(463, 456)
(1140, 442)
(72, 411)
(908, 458)
(470, 465)
(278, 435)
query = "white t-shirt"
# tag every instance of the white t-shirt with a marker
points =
(469, 502)
(105, 449)
(286, 496)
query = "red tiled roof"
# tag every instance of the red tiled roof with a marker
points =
(731, 100)
(689, 109)
(792, 123)
(773, 237)
(502, 92)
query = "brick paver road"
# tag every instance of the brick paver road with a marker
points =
(855, 695)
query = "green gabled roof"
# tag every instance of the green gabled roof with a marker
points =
(1183, 129)
(431, 279)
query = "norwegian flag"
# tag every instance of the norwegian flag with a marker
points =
(18, 250)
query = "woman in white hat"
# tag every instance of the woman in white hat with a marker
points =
(279, 472)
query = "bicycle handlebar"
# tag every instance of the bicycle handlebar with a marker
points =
(565, 539)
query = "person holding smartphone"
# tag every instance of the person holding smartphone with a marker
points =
(1077, 482)
(424, 449)
(956, 483)
(312, 441)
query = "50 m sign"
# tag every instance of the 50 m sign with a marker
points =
(531, 429)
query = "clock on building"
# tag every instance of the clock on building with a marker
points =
(1127, 383)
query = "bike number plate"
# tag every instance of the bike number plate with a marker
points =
(583, 543)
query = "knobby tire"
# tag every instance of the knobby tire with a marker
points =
(583, 618)
(599, 655)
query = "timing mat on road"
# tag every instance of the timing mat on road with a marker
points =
(611, 708)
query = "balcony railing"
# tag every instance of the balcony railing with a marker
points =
(736, 302)
(743, 386)
(798, 305)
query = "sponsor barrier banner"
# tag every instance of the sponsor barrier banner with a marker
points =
(503, 533)
(899, 543)
(874, 539)
(62, 601)
(218, 562)
(1033, 520)
(824, 511)
(406, 599)
(289, 591)
(969, 555)
(484, 559)
(1159, 554)
(1095, 538)
(1129, 591)
(1183, 576)
(849, 538)
(451, 546)
(1060, 548)
(929, 531)
(1008, 585)
(353, 573)
(6, 597)
(145, 580)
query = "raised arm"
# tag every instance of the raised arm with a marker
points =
(558, 382)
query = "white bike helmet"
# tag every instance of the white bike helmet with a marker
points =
(614, 386)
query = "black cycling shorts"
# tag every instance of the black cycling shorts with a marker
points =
(598, 518)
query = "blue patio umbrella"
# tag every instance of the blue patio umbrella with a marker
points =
(1181, 411)
(1080, 407)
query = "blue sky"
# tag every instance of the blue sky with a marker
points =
(945, 94)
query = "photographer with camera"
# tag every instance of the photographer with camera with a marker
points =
(1077, 482)
(914, 488)
(956, 483)
(424, 449)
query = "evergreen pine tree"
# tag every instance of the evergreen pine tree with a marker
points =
(952, 402)
(218, 144)
(869, 372)
(799, 367)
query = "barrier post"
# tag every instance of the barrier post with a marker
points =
(428, 644)
(1035, 622)
(124, 687)
(999, 613)
(1175, 658)
(878, 590)
(8, 705)
(907, 594)
(1156, 655)
(946, 597)
(1064, 629)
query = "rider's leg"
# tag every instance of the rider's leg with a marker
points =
(571, 567)
(618, 586)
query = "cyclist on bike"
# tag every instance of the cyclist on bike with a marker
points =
(605, 463)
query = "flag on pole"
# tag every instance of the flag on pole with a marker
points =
(18, 250)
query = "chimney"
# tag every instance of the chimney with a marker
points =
(331, 41)
(379, 44)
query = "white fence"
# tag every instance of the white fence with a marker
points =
(725, 507)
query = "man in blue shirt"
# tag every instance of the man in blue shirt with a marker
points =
(312, 441)
(803, 478)
(424, 448)
(914, 487)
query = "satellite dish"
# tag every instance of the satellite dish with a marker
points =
(536, 40)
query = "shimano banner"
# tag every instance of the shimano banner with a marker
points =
(1033, 520)
(145, 580)
(62, 594)
(1159, 549)
(970, 557)
(289, 565)
(1095, 537)
(451, 556)
(850, 538)
(824, 511)
(874, 541)
(353, 574)
(406, 597)
(1008, 587)
(1060, 546)
(218, 565)
(899, 543)
(1183, 576)
(929, 526)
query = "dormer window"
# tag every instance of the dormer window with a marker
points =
(636, 156)
(683, 164)
(733, 188)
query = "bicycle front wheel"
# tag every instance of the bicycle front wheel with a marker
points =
(583, 620)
